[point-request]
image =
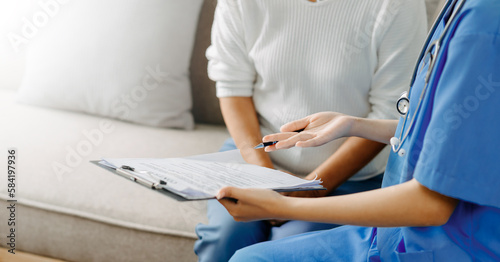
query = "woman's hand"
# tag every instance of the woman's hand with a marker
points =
(318, 129)
(252, 204)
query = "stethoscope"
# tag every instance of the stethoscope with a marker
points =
(430, 54)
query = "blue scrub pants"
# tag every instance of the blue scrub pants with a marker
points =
(223, 236)
(345, 243)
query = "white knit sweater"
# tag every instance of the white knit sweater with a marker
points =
(296, 58)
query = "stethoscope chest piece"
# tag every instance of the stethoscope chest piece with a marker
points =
(403, 104)
(401, 152)
(430, 55)
(396, 146)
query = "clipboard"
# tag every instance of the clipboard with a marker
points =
(145, 176)
(162, 190)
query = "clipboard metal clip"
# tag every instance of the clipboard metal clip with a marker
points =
(142, 177)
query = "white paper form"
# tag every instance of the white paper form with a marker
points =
(231, 156)
(202, 177)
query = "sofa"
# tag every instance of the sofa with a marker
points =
(89, 214)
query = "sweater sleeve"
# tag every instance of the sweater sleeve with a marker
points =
(229, 65)
(399, 31)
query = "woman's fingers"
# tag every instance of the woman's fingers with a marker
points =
(278, 136)
(317, 129)
(234, 194)
(270, 148)
(292, 141)
(313, 142)
(225, 196)
(286, 140)
(295, 125)
(227, 192)
(309, 143)
(248, 204)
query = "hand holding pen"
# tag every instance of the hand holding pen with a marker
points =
(314, 130)
(268, 144)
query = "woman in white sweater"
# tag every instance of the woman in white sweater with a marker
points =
(279, 60)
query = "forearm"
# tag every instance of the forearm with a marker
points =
(407, 204)
(243, 125)
(379, 130)
(350, 157)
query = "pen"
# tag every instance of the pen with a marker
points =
(262, 145)
(265, 144)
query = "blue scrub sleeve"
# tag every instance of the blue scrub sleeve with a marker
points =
(460, 154)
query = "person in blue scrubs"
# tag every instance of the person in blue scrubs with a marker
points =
(265, 54)
(440, 199)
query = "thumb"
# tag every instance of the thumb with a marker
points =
(228, 192)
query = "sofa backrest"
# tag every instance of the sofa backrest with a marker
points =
(433, 9)
(205, 103)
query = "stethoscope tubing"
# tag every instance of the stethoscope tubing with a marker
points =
(425, 51)
(428, 40)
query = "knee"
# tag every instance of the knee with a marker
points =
(222, 223)
(222, 237)
(224, 226)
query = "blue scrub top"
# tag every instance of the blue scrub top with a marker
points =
(453, 146)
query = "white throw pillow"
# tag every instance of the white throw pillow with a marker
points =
(125, 59)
